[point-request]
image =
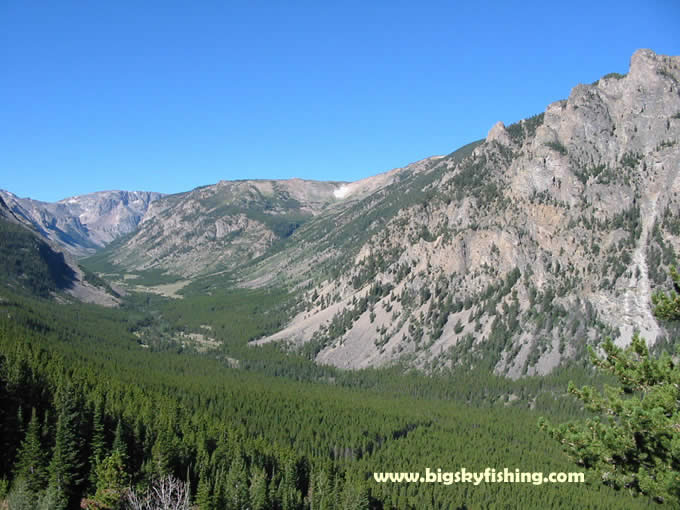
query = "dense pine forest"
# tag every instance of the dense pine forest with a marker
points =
(94, 410)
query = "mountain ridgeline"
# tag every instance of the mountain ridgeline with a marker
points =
(85, 223)
(510, 254)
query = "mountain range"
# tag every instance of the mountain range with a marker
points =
(510, 254)
(85, 223)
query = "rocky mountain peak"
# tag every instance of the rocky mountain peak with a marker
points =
(498, 134)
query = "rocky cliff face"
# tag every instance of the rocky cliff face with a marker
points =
(85, 223)
(549, 235)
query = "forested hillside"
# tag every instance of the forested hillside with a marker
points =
(87, 412)
(29, 262)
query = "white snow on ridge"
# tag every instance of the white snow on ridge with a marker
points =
(342, 191)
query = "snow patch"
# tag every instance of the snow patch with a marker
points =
(342, 191)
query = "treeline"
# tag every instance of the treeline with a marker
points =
(85, 413)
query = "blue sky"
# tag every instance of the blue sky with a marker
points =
(170, 95)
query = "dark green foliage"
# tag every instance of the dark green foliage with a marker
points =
(204, 492)
(524, 129)
(586, 173)
(259, 499)
(21, 497)
(98, 443)
(558, 147)
(235, 488)
(66, 475)
(634, 441)
(616, 76)
(112, 483)
(28, 262)
(667, 306)
(660, 254)
(119, 445)
(291, 442)
(31, 458)
(631, 159)
(100, 262)
(636, 445)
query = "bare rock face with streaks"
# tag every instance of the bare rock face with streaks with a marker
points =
(549, 235)
(85, 223)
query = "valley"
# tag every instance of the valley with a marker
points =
(270, 344)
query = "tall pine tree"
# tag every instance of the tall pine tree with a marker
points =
(66, 469)
(636, 445)
(259, 499)
(237, 495)
(98, 442)
(31, 459)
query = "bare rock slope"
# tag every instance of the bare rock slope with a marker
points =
(225, 226)
(547, 236)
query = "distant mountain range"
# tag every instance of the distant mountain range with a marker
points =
(31, 263)
(509, 254)
(85, 223)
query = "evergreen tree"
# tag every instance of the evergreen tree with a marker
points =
(21, 497)
(289, 494)
(259, 499)
(337, 493)
(20, 421)
(237, 496)
(31, 459)
(119, 443)
(204, 496)
(667, 306)
(321, 491)
(220, 490)
(637, 444)
(65, 470)
(98, 443)
(48, 500)
(46, 427)
(163, 453)
(112, 481)
(345, 434)
(355, 496)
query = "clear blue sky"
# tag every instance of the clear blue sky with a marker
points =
(169, 95)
